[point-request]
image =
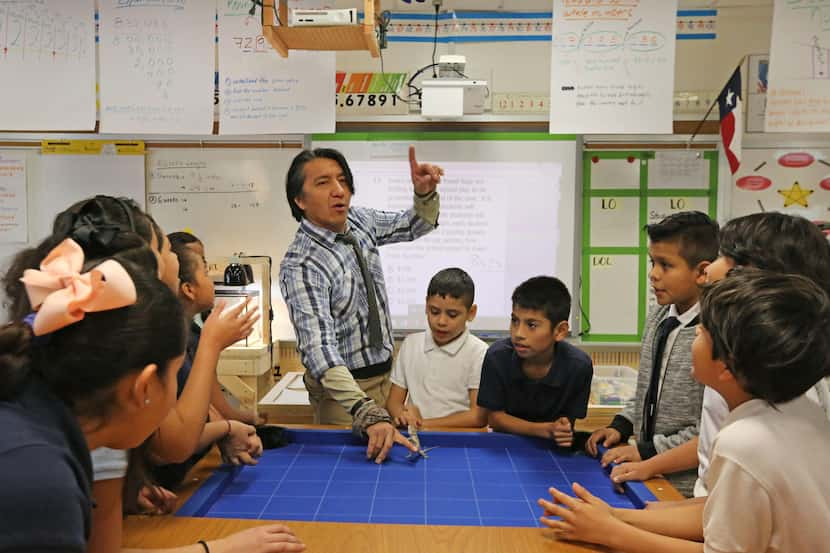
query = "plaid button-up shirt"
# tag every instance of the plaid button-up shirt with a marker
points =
(322, 285)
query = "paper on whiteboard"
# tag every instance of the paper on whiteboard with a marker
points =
(13, 217)
(798, 95)
(263, 93)
(612, 66)
(678, 169)
(157, 66)
(48, 65)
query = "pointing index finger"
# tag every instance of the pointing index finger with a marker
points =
(413, 163)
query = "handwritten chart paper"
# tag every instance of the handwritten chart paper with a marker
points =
(47, 64)
(798, 95)
(612, 66)
(261, 92)
(157, 66)
(13, 221)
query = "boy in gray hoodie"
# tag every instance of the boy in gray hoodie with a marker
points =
(665, 411)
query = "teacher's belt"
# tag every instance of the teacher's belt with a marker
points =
(372, 371)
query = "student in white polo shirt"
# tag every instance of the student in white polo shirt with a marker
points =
(761, 344)
(436, 374)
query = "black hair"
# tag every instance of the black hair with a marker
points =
(183, 238)
(102, 226)
(296, 175)
(778, 242)
(546, 294)
(694, 231)
(770, 329)
(81, 363)
(453, 282)
(188, 260)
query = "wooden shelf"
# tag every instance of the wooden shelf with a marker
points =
(341, 37)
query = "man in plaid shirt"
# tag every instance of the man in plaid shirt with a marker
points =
(332, 281)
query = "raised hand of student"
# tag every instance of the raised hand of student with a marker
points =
(607, 436)
(584, 517)
(622, 454)
(425, 176)
(274, 538)
(225, 326)
(637, 470)
(410, 416)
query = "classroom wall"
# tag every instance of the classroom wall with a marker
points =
(525, 66)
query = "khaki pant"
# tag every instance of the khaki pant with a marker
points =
(329, 411)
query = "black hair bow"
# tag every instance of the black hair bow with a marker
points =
(91, 231)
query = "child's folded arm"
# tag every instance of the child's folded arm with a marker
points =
(665, 442)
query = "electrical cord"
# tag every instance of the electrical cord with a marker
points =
(255, 3)
(435, 41)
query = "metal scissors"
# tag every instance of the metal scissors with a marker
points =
(416, 441)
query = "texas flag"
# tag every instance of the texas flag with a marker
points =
(731, 119)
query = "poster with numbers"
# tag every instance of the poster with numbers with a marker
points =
(157, 61)
(612, 66)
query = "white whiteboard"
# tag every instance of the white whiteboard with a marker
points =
(507, 214)
(232, 199)
(66, 179)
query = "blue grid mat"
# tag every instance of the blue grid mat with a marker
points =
(471, 479)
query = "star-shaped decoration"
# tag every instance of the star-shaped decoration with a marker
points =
(729, 98)
(795, 195)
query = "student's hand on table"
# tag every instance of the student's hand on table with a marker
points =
(621, 454)
(410, 416)
(274, 538)
(242, 446)
(225, 327)
(425, 176)
(559, 430)
(606, 436)
(382, 436)
(584, 517)
(156, 500)
(564, 432)
(636, 470)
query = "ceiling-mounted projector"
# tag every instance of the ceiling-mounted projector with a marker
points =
(312, 18)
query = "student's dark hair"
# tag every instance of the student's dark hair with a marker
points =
(695, 233)
(188, 260)
(102, 226)
(82, 362)
(770, 329)
(296, 175)
(453, 282)
(183, 238)
(778, 242)
(546, 294)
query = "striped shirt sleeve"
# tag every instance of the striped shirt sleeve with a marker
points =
(390, 227)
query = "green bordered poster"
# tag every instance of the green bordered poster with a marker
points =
(622, 192)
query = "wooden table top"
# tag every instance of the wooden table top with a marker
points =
(335, 537)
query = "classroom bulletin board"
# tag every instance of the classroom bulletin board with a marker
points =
(622, 192)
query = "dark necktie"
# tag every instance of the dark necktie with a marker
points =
(375, 334)
(650, 408)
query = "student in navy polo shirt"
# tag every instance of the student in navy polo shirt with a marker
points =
(534, 383)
